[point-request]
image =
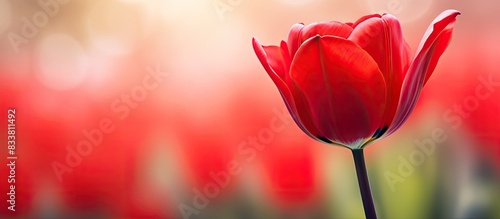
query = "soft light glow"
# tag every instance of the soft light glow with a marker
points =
(62, 62)
(114, 33)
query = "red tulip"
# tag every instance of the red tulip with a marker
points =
(350, 84)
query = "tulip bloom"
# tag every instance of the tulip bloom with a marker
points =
(350, 84)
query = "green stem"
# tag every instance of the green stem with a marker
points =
(364, 184)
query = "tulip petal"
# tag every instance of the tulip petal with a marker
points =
(366, 17)
(342, 86)
(382, 38)
(373, 36)
(332, 28)
(435, 41)
(272, 56)
(261, 53)
(400, 62)
(293, 38)
(442, 41)
(400, 51)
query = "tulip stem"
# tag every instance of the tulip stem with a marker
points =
(364, 184)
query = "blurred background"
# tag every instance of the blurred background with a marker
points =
(160, 109)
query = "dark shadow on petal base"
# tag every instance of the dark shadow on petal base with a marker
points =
(380, 132)
(324, 139)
